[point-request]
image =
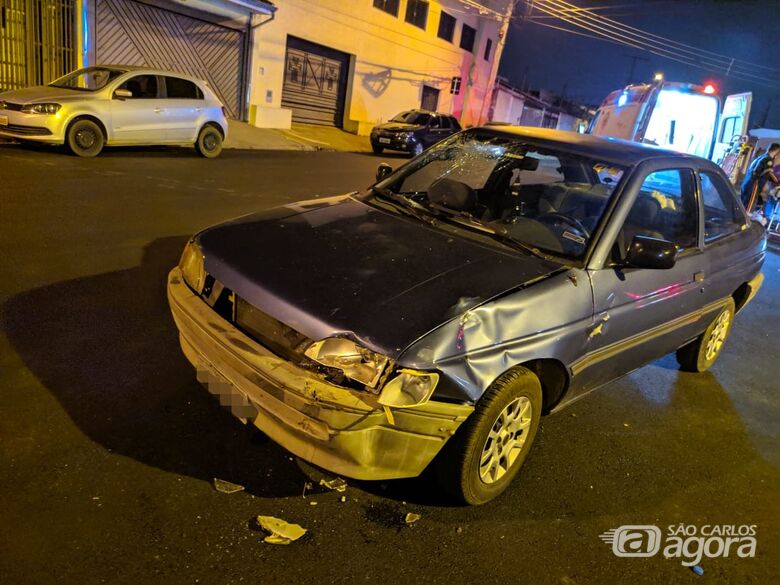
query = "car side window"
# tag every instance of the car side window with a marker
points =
(455, 124)
(722, 215)
(445, 122)
(143, 87)
(665, 209)
(177, 88)
(435, 122)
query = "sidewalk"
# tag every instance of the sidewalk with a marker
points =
(300, 137)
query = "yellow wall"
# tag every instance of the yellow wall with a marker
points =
(391, 59)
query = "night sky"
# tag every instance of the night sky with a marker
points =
(587, 69)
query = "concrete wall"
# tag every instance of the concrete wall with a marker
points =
(508, 107)
(390, 61)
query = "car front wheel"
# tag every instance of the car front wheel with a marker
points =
(376, 148)
(85, 138)
(417, 149)
(209, 143)
(481, 460)
(702, 352)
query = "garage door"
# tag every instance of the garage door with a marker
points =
(315, 83)
(134, 33)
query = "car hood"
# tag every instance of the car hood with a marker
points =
(41, 93)
(342, 267)
(398, 127)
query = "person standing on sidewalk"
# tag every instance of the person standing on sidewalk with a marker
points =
(760, 172)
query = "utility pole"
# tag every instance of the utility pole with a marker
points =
(491, 80)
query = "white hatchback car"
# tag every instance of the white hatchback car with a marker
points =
(117, 105)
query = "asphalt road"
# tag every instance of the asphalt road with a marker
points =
(108, 445)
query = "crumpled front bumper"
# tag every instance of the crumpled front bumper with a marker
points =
(344, 431)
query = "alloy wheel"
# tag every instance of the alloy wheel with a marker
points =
(505, 440)
(718, 336)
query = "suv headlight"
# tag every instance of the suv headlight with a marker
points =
(192, 267)
(41, 108)
(357, 363)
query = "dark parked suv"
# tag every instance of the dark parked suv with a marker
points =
(435, 317)
(413, 131)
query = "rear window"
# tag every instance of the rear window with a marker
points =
(182, 89)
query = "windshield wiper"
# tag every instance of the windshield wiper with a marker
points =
(468, 221)
(405, 205)
(513, 243)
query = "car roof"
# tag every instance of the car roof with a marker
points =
(607, 149)
(150, 71)
(431, 112)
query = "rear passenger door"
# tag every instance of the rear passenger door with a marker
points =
(643, 314)
(185, 105)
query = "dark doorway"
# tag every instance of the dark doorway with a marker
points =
(430, 98)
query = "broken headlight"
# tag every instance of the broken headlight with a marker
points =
(192, 267)
(357, 363)
(409, 388)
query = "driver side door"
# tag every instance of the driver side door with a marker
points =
(641, 314)
(141, 118)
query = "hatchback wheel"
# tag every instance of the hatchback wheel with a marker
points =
(702, 352)
(85, 138)
(481, 460)
(376, 148)
(209, 144)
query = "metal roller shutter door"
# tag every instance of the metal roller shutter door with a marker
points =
(134, 33)
(314, 83)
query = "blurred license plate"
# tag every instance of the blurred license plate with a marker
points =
(382, 140)
(3, 120)
(229, 396)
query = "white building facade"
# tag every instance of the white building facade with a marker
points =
(356, 63)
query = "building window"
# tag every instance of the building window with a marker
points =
(467, 35)
(488, 48)
(417, 13)
(389, 6)
(446, 27)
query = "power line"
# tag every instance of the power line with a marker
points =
(615, 33)
(607, 26)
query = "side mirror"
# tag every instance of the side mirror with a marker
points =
(651, 253)
(383, 170)
(123, 94)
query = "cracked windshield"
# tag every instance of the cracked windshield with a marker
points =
(545, 200)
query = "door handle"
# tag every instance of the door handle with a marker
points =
(698, 276)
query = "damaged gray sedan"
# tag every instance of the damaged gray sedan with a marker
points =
(433, 319)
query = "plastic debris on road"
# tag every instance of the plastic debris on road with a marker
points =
(225, 487)
(698, 570)
(281, 532)
(336, 484)
(411, 518)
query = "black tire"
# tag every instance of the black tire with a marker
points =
(209, 143)
(85, 138)
(458, 465)
(377, 149)
(701, 353)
